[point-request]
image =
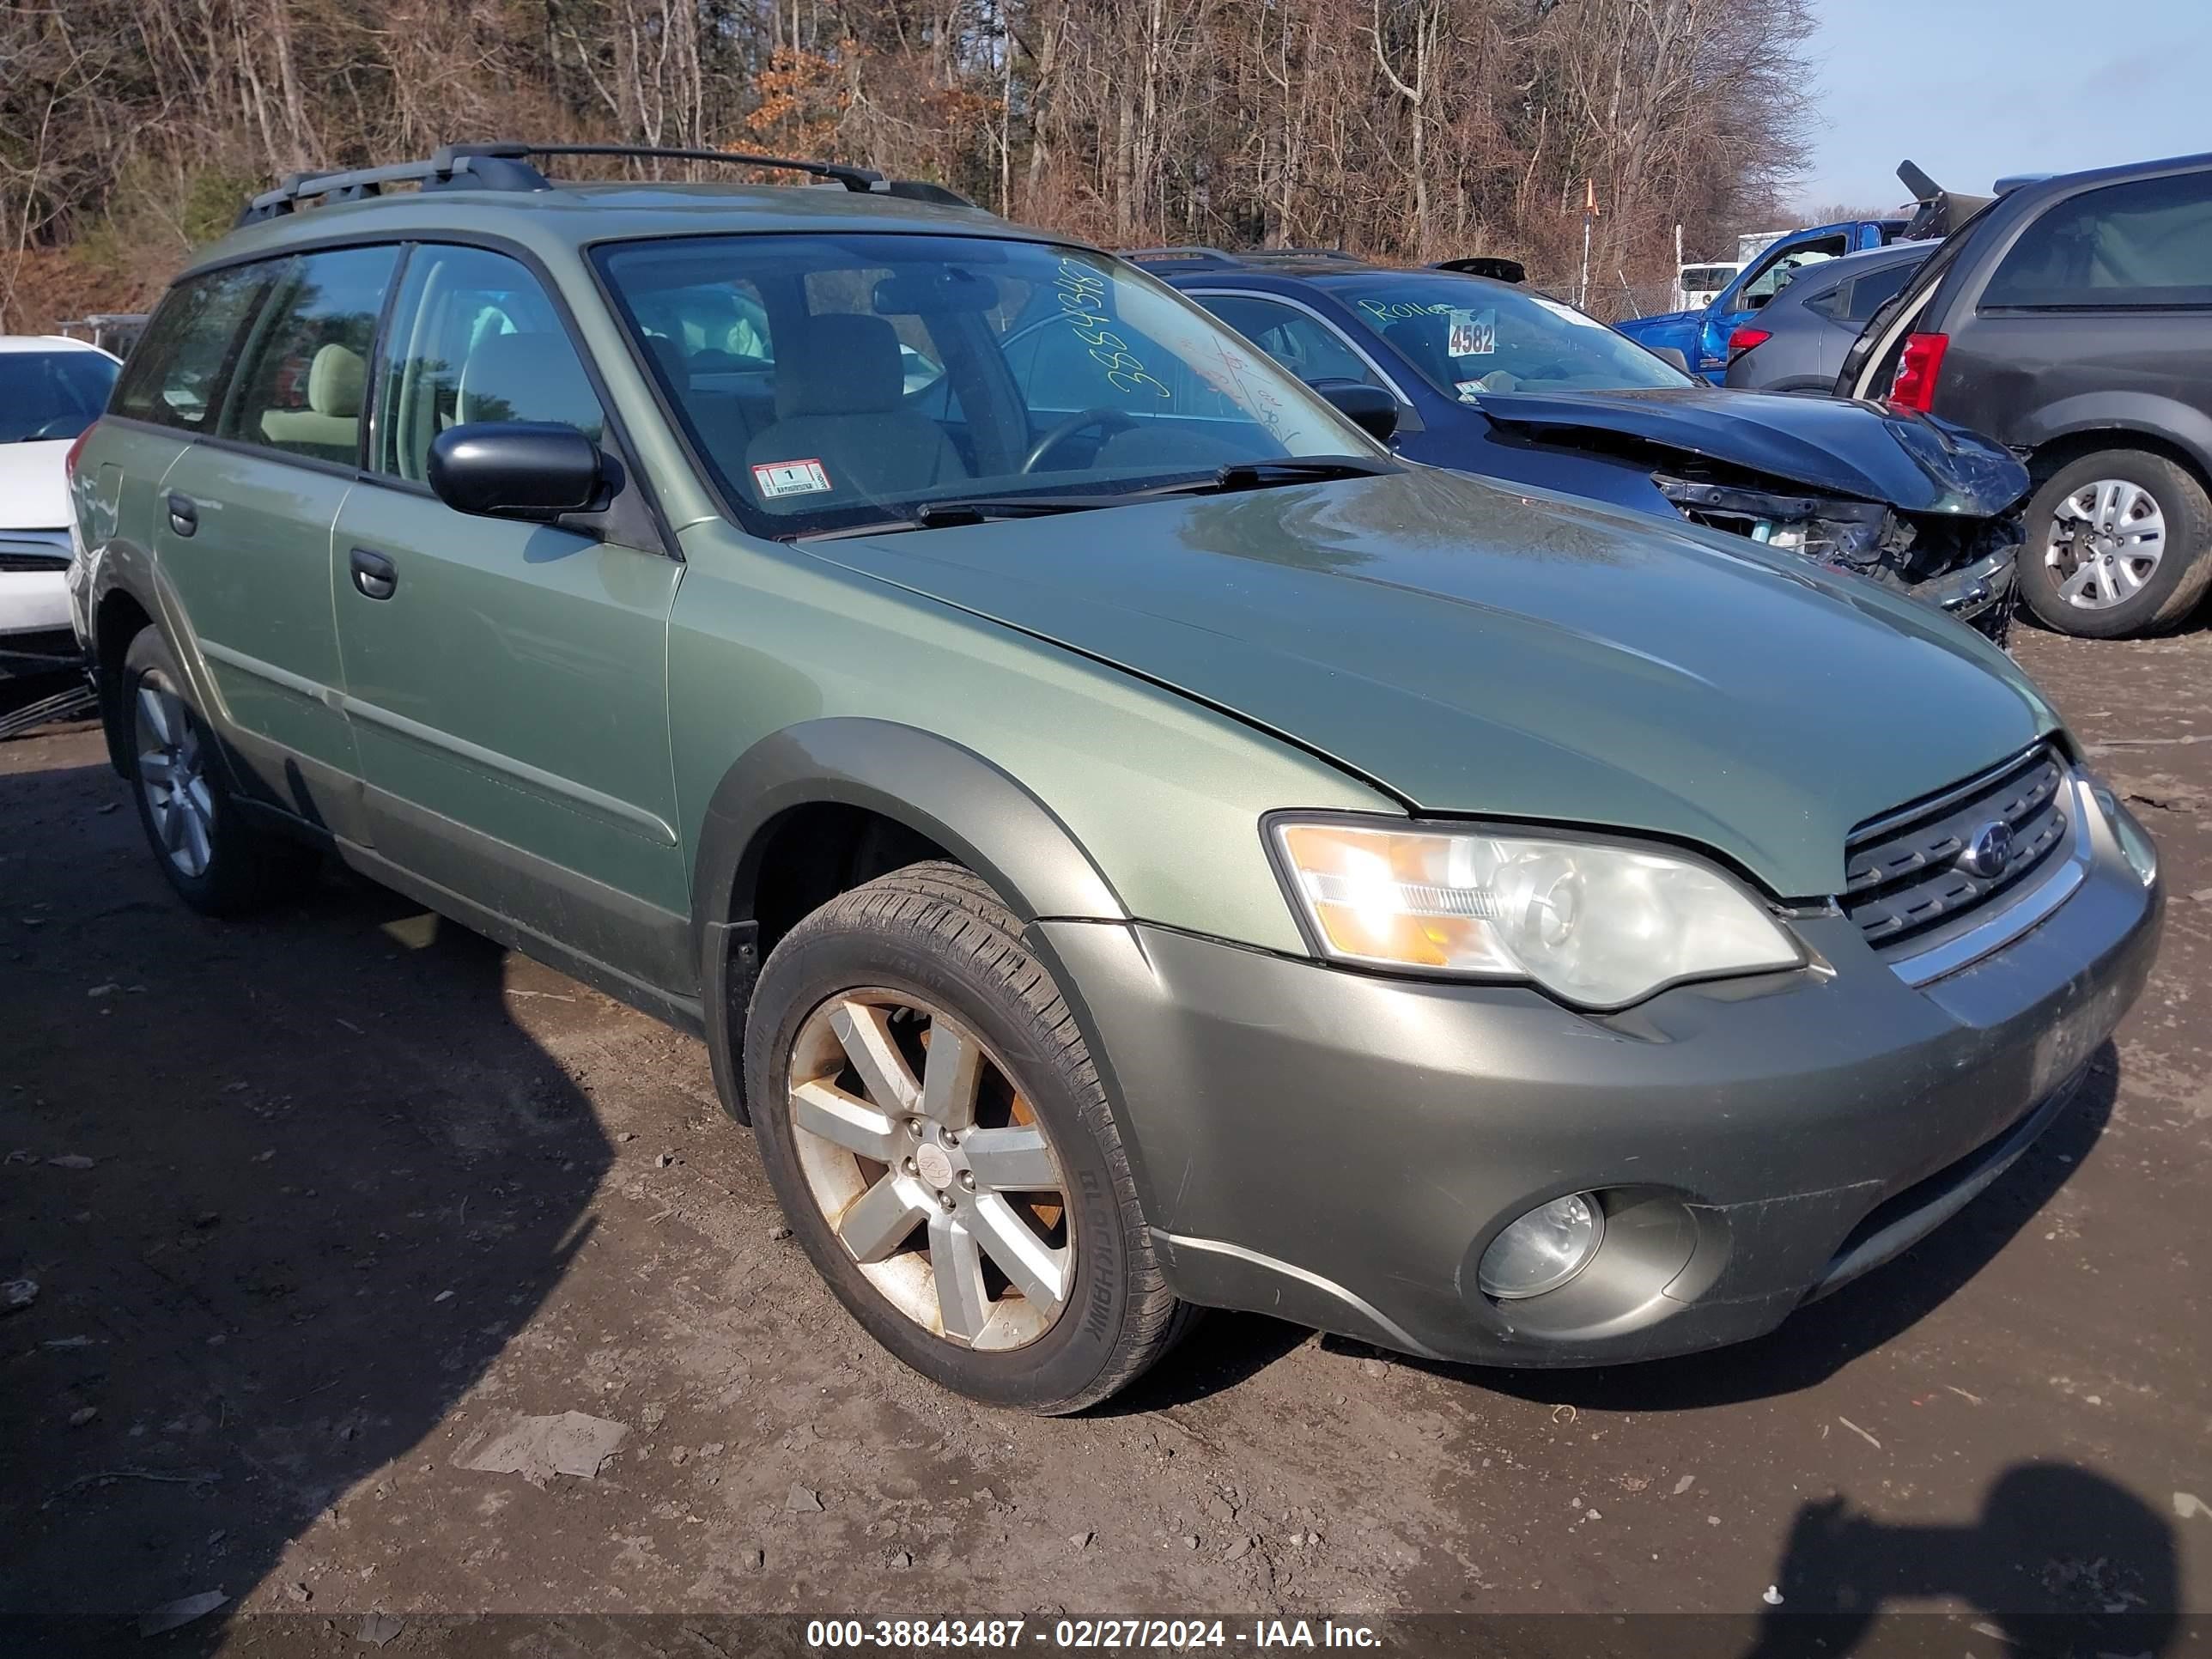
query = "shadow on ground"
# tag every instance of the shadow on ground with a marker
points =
(2059, 1561)
(329, 1180)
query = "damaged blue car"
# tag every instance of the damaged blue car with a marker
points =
(1465, 371)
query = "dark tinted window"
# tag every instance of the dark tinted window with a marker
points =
(175, 374)
(300, 385)
(52, 394)
(1864, 295)
(2149, 243)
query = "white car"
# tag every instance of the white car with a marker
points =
(50, 389)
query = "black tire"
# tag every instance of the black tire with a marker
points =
(936, 933)
(2171, 591)
(247, 867)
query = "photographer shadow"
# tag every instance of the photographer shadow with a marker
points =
(2060, 1560)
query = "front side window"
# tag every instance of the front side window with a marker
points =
(1300, 342)
(301, 383)
(1782, 269)
(1465, 336)
(474, 337)
(896, 371)
(46, 396)
(176, 373)
(2149, 243)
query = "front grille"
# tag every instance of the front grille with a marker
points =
(1907, 872)
(14, 559)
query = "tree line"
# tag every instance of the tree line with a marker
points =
(130, 131)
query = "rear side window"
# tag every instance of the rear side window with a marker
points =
(1858, 298)
(474, 337)
(300, 385)
(2148, 243)
(176, 374)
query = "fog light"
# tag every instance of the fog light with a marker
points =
(1543, 1249)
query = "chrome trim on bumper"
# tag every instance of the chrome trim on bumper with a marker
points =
(1329, 1287)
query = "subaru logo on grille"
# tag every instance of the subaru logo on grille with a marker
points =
(1989, 851)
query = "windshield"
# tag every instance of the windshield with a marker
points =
(1467, 336)
(830, 381)
(46, 395)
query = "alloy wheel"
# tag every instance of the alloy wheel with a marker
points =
(2105, 542)
(934, 1172)
(172, 753)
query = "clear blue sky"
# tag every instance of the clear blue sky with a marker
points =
(1972, 90)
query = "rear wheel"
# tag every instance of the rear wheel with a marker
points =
(219, 862)
(2118, 542)
(932, 1124)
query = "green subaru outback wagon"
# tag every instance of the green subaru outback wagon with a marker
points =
(1129, 843)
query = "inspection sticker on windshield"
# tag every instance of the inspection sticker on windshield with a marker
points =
(1473, 334)
(777, 478)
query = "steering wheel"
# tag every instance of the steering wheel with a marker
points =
(1108, 421)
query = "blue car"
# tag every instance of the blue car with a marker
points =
(1702, 336)
(1485, 376)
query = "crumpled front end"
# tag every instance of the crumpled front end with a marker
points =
(1966, 567)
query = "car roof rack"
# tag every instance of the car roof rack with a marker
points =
(507, 166)
(1197, 258)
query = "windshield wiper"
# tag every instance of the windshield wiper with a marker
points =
(1237, 475)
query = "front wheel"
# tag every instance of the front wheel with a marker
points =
(2118, 542)
(937, 1134)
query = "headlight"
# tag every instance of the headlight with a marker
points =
(1599, 924)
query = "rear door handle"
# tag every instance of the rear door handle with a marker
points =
(375, 576)
(183, 513)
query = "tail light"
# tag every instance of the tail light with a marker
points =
(70, 456)
(1918, 366)
(1745, 338)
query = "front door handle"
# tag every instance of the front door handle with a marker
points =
(373, 576)
(183, 513)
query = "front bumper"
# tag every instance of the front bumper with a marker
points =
(1338, 1148)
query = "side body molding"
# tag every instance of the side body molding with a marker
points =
(962, 802)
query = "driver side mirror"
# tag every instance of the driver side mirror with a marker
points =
(1369, 407)
(536, 472)
(1672, 357)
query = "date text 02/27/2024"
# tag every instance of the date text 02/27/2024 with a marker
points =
(1171, 1635)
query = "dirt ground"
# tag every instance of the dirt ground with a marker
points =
(318, 1206)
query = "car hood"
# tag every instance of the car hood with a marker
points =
(1868, 451)
(1474, 650)
(33, 487)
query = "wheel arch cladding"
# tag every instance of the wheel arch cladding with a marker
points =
(948, 795)
(2075, 427)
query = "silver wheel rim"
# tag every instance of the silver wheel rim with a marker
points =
(173, 776)
(2105, 543)
(931, 1169)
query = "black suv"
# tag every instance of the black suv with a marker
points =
(2071, 319)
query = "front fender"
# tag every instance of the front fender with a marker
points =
(933, 786)
(961, 801)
